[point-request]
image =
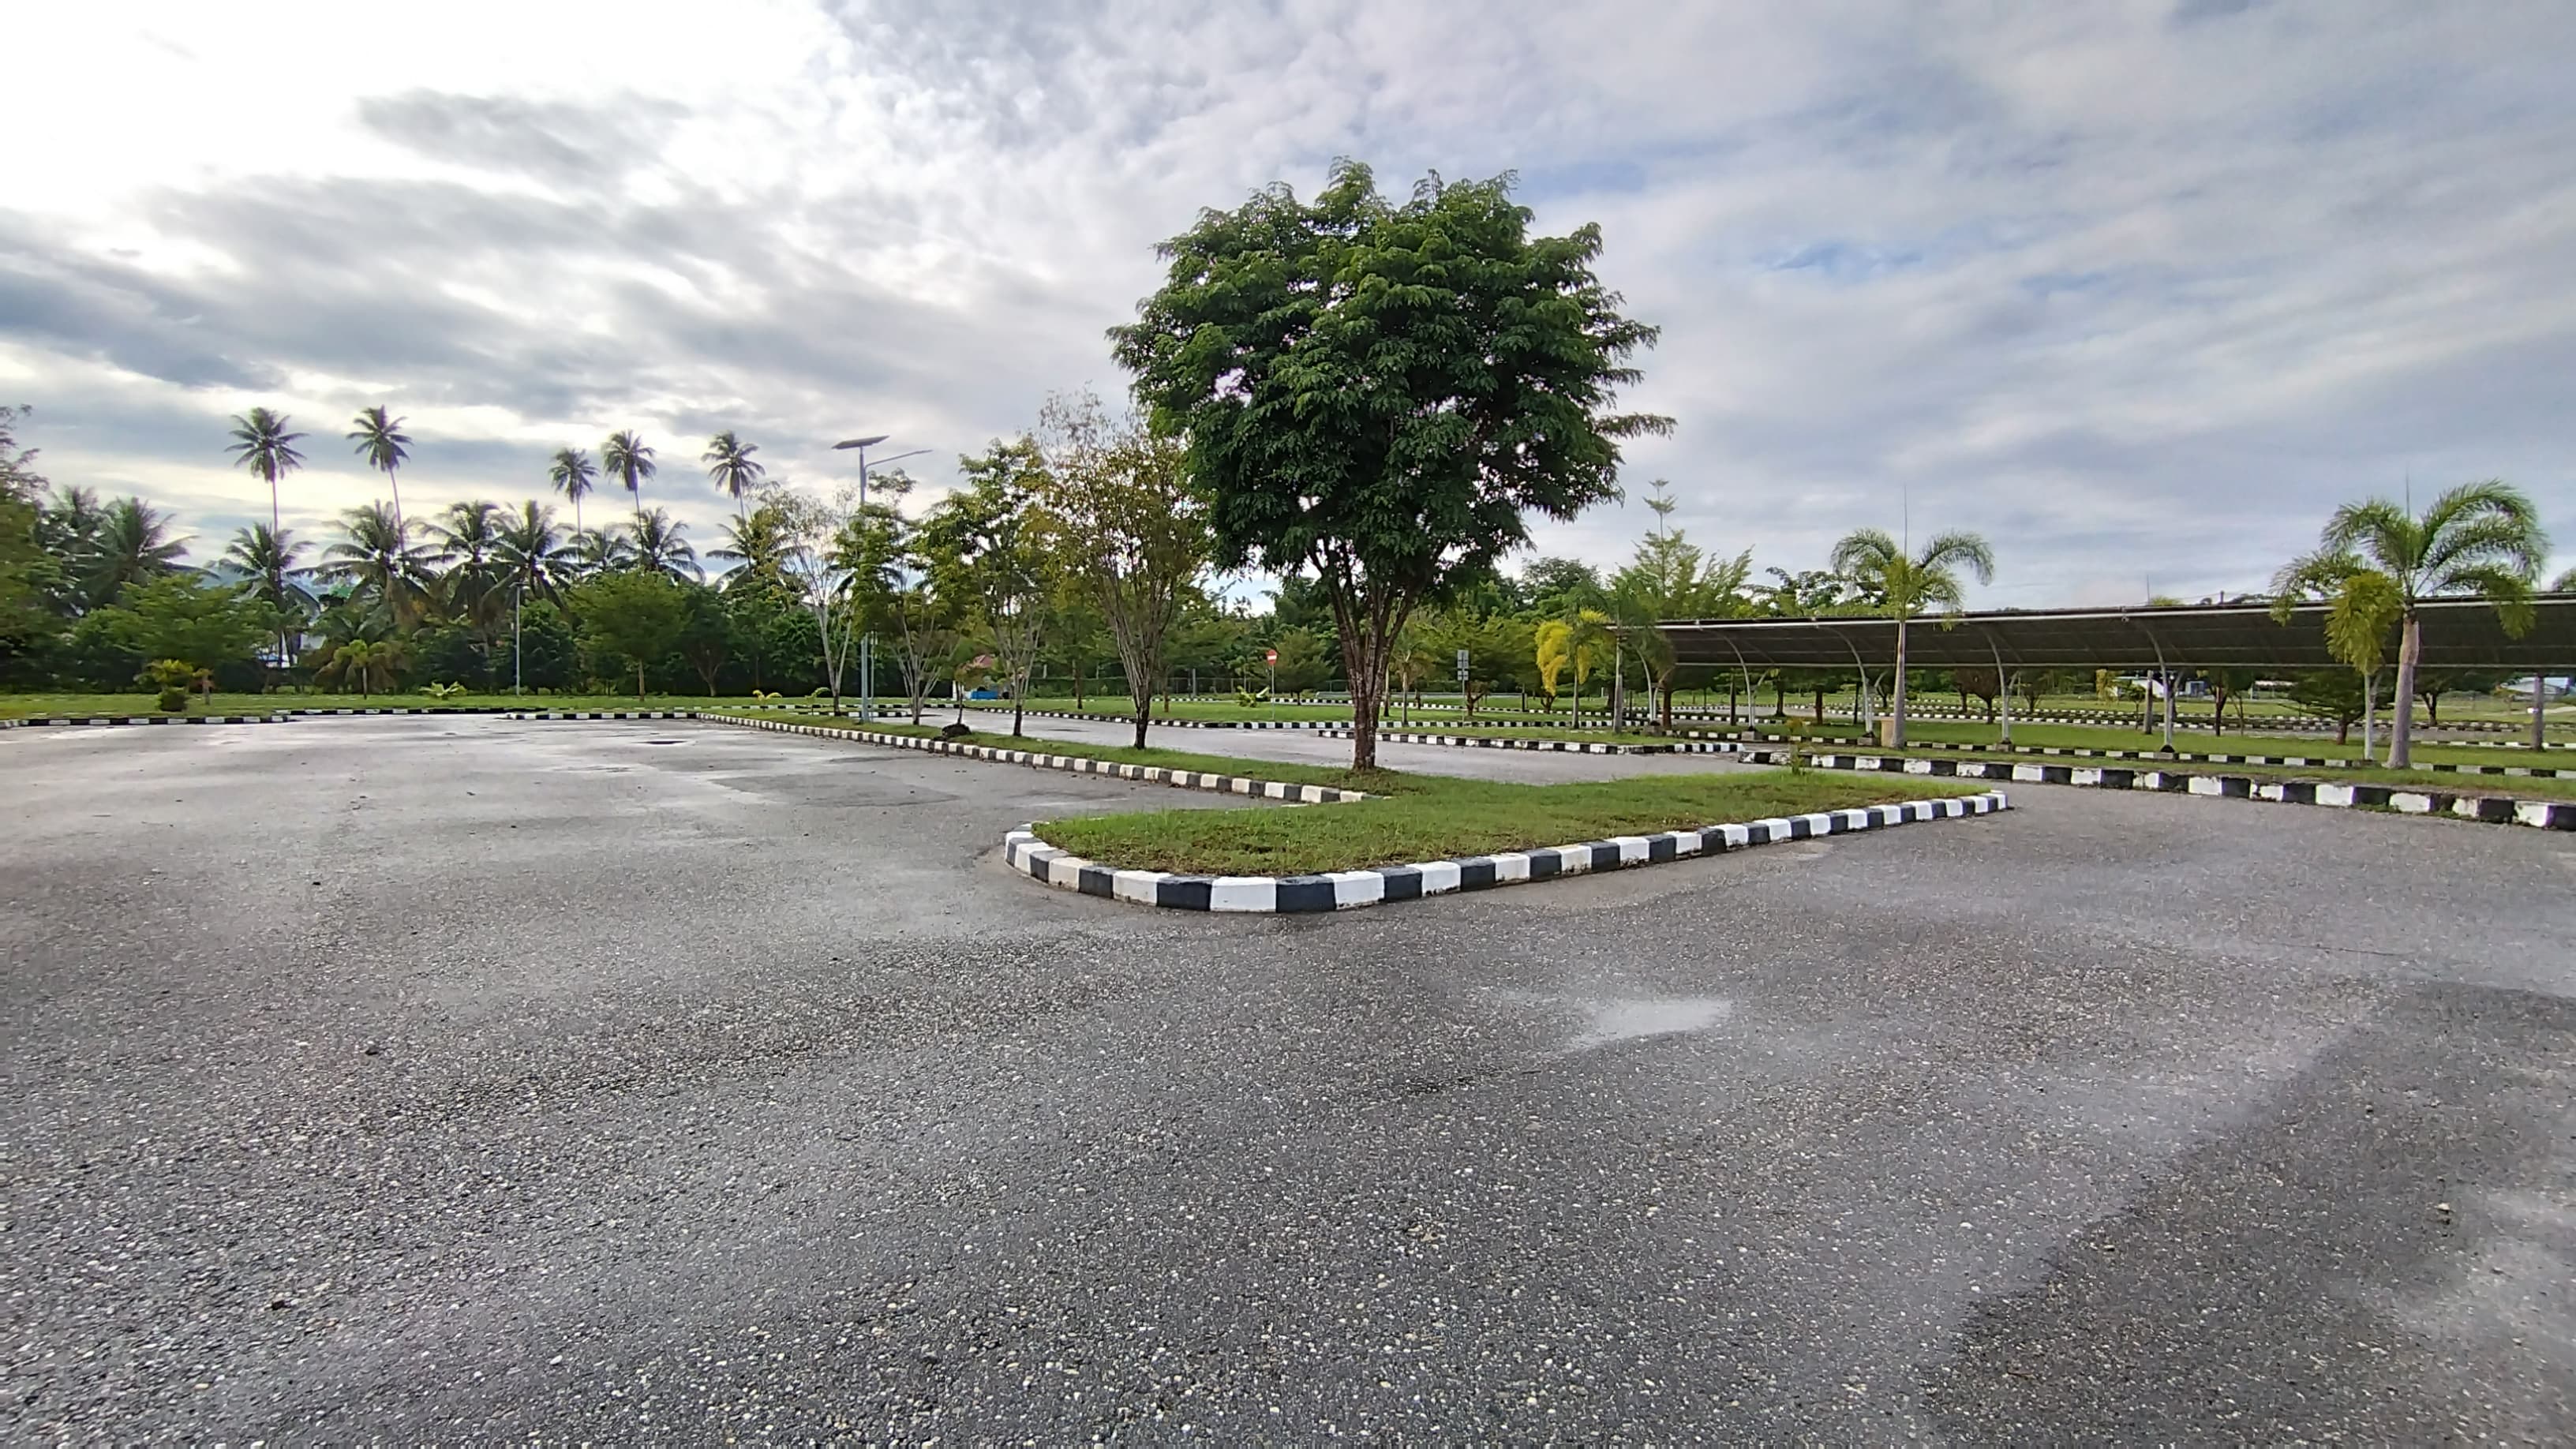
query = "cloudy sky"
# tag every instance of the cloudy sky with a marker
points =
(2140, 291)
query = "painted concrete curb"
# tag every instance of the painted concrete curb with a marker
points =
(2187, 757)
(1351, 889)
(1150, 774)
(2489, 809)
(88, 721)
(1178, 724)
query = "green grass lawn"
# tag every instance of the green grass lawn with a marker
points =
(1442, 819)
(1375, 782)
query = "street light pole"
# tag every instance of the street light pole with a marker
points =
(867, 642)
(515, 673)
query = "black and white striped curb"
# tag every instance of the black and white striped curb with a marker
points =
(1150, 774)
(2491, 809)
(1570, 747)
(1350, 889)
(2309, 762)
(60, 721)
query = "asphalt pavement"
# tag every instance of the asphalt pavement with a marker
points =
(461, 1079)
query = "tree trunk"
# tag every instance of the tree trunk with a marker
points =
(1144, 717)
(2369, 713)
(2401, 727)
(1019, 707)
(639, 681)
(1896, 735)
(1077, 689)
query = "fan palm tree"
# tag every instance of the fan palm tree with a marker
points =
(381, 442)
(268, 558)
(2362, 606)
(468, 543)
(262, 444)
(571, 473)
(132, 544)
(625, 458)
(380, 564)
(659, 547)
(1904, 585)
(2479, 540)
(729, 463)
(532, 557)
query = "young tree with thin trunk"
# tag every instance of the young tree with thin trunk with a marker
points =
(985, 550)
(1380, 393)
(837, 559)
(1119, 520)
(262, 444)
(382, 443)
(2478, 540)
(1905, 585)
(2363, 605)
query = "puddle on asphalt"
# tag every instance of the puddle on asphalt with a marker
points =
(1609, 1020)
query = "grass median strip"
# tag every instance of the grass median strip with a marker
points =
(1424, 818)
(1374, 782)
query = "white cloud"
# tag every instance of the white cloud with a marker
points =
(2137, 291)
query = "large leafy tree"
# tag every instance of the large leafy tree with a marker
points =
(1379, 393)
(1125, 530)
(2478, 540)
(635, 615)
(733, 469)
(262, 444)
(30, 576)
(625, 458)
(382, 442)
(572, 473)
(1903, 586)
(183, 616)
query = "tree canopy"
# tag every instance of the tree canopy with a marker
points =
(1381, 392)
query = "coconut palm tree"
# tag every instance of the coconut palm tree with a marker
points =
(599, 551)
(383, 568)
(381, 442)
(625, 458)
(267, 557)
(571, 473)
(2564, 584)
(1905, 585)
(729, 463)
(468, 544)
(132, 545)
(262, 444)
(756, 545)
(2478, 540)
(532, 558)
(659, 547)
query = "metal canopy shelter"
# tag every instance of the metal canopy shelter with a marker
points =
(2458, 634)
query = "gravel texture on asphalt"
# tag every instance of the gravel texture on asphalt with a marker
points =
(459, 1080)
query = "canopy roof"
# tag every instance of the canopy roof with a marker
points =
(2458, 634)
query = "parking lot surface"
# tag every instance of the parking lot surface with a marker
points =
(430, 1079)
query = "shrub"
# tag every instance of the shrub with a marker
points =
(174, 701)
